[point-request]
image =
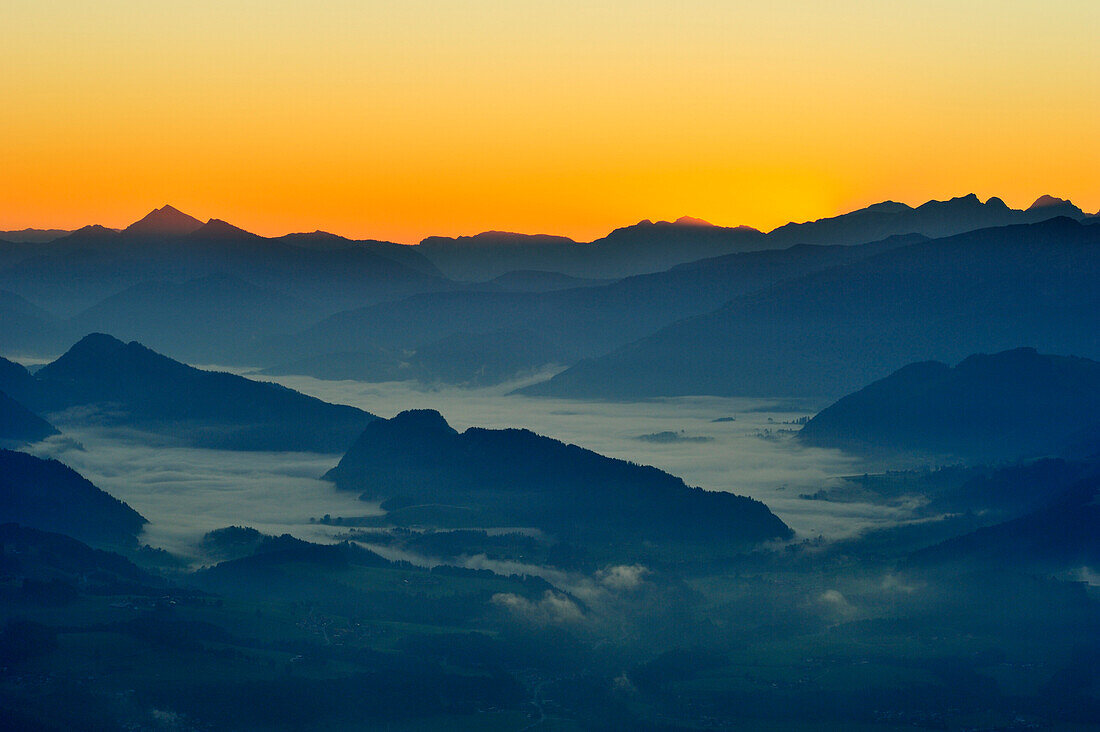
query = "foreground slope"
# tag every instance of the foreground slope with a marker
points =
(129, 385)
(424, 468)
(1004, 406)
(49, 496)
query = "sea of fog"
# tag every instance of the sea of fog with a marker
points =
(185, 492)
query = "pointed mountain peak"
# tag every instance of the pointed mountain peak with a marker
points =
(1046, 201)
(164, 221)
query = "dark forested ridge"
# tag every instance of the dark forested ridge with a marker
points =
(47, 495)
(517, 478)
(1005, 406)
(134, 386)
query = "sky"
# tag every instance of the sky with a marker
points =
(397, 120)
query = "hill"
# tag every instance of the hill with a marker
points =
(426, 471)
(46, 495)
(129, 385)
(1010, 405)
(19, 425)
(830, 332)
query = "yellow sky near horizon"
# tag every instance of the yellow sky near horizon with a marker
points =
(400, 120)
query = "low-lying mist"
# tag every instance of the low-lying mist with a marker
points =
(738, 445)
(752, 454)
(185, 492)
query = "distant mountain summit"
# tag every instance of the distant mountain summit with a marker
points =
(1046, 201)
(164, 221)
(1003, 406)
(427, 472)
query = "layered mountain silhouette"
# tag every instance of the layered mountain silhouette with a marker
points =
(426, 471)
(103, 279)
(49, 496)
(642, 248)
(567, 324)
(19, 425)
(127, 384)
(75, 271)
(197, 319)
(1005, 406)
(830, 332)
(27, 328)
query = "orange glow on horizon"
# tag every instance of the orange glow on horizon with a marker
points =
(399, 121)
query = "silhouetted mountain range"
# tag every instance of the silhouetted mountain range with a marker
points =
(103, 279)
(656, 246)
(934, 219)
(426, 471)
(46, 495)
(127, 384)
(832, 331)
(638, 249)
(1005, 406)
(75, 271)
